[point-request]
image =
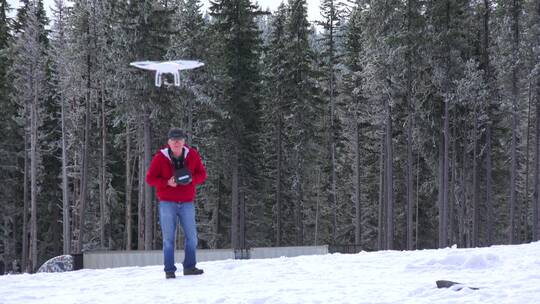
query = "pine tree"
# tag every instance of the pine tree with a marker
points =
(359, 112)
(9, 148)
(535, 76)
(153, 28)
(30, 92)
(332, 13)
(5, 37)
(189, 41)
(487, 66)
(305, 126)
(275, 108)
(383, 59)
(87, 91)
(235, 21)
(60, 85)
(193, 103)
(508, 66)
(123, 84)
(448, 21)
(413, 42)
(355, 100)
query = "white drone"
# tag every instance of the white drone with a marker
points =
(167, 67)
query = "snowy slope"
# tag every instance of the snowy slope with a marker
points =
(505, 274)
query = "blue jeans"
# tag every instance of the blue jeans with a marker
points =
(169, 214)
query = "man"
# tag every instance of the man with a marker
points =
(175, 171)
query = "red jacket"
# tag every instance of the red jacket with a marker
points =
(162, 169)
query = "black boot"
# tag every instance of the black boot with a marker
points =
(170, 275)
(193, 271)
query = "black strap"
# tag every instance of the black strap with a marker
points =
(178, 162)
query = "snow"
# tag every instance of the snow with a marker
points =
(504, 274)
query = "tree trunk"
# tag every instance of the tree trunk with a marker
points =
(333, 194)
(536, 194)
(148, 204)
(452, 187)
(487, 67)
(235, 201)
(66, 229)
(463, 200)
(389, 180)
(525, 205)
(441, 190)
(333, 177)
(75, 212)
(190, 120)
(536, 202)
(103, 187)
(299, 202)
(25, 254)
(318, 207)
(242, 221)
(476, 205)
(7, 242)
(446, 172)
(410, 115)
(489, 188)
(217, 211)
(409, 180)
(84, 169)
(417, 199)
(33, 181)
(356, 185)
(155, 220)
(129, 188)
(330, 43)
(515, 109)
(84, 177)
(141, 196)
(278, 182)
(513, 174)
(381, 243)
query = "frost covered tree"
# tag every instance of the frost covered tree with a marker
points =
(381, 62)
(332, 14)
(30, 93)
(509, 74)
(448, 24)
(235, 22)
(189, 41)
(9, 148)
(60, 79)
(305, 128)
(275, 109)
(83, 97)
(356, 119)
(413, 25)
(193, 105)
(535, 91)
(487, 66)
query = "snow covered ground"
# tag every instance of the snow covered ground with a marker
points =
(504, 274)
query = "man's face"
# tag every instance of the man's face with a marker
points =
(176, 144)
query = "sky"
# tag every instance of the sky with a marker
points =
(503, 274)
(313, 6)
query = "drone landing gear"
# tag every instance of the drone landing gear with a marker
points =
(165, 81)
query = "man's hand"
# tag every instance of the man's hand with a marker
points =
(171, 182)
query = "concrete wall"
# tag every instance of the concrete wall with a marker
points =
(113, 259)
(276, 252)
